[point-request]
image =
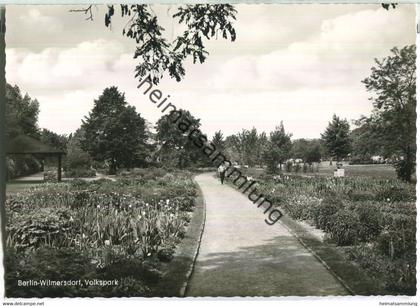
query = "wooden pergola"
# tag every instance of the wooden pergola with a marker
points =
(23, 144)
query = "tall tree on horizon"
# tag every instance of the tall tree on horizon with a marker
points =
(177, 149)
(218, 141)
(21, 113)
(114, 131)
(278, 149)
(337, 138)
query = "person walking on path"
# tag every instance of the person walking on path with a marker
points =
(222, 171)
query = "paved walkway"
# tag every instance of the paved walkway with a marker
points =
(240, 255)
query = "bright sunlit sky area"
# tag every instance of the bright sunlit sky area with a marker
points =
(298, 64)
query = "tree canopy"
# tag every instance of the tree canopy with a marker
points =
(176, 147)
(155, 53)
(336, 138)
(21, 113)
(278, 149)
(393, 121)
(114, 132)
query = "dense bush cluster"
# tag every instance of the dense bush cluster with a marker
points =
(22, 165)
(97, 227)
(374, 219)
(80, 172)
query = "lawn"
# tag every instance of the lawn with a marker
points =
(325, 170)
(373, 170)
(16, 187)
(124, 230)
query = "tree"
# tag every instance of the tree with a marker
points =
(21, 118)
(155, 53)
(313, 153)
(233, 148)
(278, 149)
(337, 138)
(248, 142)
(76, 157)
(299, 148)
(21, 113)
(309, 150)
(54, 140)
(261, 148)
(393, 81)
(218, 141)
(177, 149)
(115, 132)
(365, 142)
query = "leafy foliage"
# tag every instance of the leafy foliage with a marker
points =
(393, 122)
(176, 147)
(218, 141)
(155, 53)
(278, 149)
(337, 137)
(21, 113)
(309, 151)
(374, 220)
(101, 229)
(54, 140)
(21, 119)
(115, 132)
(76, 158)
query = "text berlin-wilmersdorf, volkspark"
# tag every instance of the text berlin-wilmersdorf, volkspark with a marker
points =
(209, 149)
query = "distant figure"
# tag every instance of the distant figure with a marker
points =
(222, 170)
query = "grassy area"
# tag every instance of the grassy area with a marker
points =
(124, 230)
(16, 187)
(325, 170)
(374, 170)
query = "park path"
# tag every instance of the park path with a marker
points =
(240, 255)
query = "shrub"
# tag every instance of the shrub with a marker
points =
(300, 206)
(79, 172)
(323, 212)
(45, 226)
(166, 254)
(128, 287)
(399, 236)
(396, 194)
(361, 195)
(289, 166)
(344, 227)
(397, 276)
(371, 220)
(50, 176)
(22, 165)
(48, 264)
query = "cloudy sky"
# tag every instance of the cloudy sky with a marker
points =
(296, 63)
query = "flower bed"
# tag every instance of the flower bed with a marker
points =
(123, 225)
(372, 220)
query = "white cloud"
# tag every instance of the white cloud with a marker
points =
(297, 64)
(34, 19)
(87, 64)
(339, 54)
